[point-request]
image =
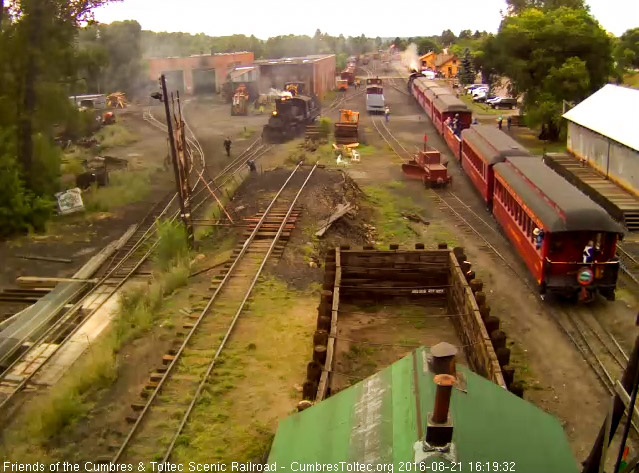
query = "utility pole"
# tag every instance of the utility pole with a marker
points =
(181, 178)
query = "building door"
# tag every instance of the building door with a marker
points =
(174, 81)
(204, 81)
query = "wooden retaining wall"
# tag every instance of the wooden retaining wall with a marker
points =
(442, 277)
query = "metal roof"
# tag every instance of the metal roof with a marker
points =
(378, 420)
(560, 206)
(293, 60)
(610, 112)
(492, 143)
(450, 103)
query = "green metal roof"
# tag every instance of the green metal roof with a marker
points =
(376, 421)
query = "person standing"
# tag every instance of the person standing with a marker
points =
(227, 146)
(387, 113)
(589, 252)
(500, 120)
(509, 122)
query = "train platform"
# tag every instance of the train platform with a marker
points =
(619, 203)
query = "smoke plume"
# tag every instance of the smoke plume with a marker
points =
(410, 58)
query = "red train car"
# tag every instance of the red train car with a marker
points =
(483, 146)
(551, 224)
(453, 141)
(445, 106)
(429, 97)
(419, 87)
(348, 74)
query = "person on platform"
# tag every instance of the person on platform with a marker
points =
(227, 146)
(589, 252)
(539, 237)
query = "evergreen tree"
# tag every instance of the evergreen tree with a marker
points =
(466, 72)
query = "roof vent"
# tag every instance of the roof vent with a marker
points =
(438, 442)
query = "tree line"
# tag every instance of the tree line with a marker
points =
(551, 51)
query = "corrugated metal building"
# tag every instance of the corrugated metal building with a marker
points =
(602, 130)
(384, 419)
(316, 71)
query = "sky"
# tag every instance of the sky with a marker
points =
(397, 18)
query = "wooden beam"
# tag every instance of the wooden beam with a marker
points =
(37, 281)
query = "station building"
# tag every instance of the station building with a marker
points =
(316, 71)
(202, 73)
(602, 131)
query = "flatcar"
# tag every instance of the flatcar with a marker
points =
(483, 146)
(551, 224)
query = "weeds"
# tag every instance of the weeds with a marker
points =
(114, 135)
(124, 187)
(171, 245)
(391, 227)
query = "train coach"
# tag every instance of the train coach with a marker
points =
(449, 106)
(483, 146)
(552, 225)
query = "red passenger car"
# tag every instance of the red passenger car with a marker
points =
(429, 97)
(552, 224)
(447, 106)
(483, 146)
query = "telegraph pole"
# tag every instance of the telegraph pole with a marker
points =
(185, 212)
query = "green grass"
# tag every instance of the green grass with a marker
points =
(214, 211)
(528, 138)
(391, 226)
(72, 160)
(366, 150)
(247, 132)
(139, 309)
(124, 188)
(171, 246)
(479, 108)
(115, 135)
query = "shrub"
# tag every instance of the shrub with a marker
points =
(171, 244)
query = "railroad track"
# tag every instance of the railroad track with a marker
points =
(159, 421)
(598, 346)
(127, 261)
(629, 265)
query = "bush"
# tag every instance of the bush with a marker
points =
(325, 127)
(171, 247)
(20, 209)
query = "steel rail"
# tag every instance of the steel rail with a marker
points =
(206, 376)
(604, 378)
(71, 314)
(197, 322)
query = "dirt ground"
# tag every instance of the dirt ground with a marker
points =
(257, 371)
(558, 379)
(371, 338)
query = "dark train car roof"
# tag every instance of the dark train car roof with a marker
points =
(450, 103)
(560, 205)
(426, 83)
(492, 143)
(434, 92)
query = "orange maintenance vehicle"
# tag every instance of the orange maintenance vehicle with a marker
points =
(428, 167)
(346, 129)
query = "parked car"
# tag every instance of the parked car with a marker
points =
(490, 100)
(470, 88)
(504, 102)
(482, 96)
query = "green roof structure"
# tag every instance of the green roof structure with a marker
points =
(382, 420)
